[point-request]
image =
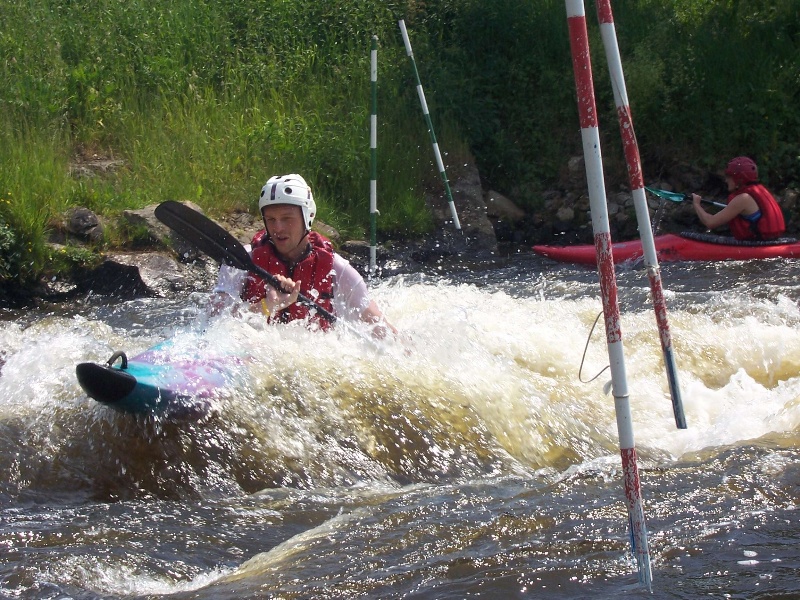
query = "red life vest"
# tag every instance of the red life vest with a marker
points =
(314, 271)
(769, 226)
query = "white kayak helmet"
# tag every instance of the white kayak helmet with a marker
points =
(289, 189)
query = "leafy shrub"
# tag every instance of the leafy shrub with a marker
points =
(9, 257)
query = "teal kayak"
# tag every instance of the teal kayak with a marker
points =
(155, 382)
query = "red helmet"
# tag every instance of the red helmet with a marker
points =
(742, 170)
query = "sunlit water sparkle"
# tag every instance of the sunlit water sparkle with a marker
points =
(468, 458)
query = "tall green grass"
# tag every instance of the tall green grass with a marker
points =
(33, 177)
(204, 101)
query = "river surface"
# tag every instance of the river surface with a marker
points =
(474, 458)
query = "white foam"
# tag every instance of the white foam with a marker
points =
(506, 364)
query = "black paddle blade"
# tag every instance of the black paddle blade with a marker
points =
(220, 245)
(204, 233)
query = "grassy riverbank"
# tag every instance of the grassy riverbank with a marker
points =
(203, 101)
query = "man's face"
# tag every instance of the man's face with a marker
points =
(285, 228)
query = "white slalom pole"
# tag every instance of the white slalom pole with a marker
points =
(429, 124)
(590, 136)
(636, 179)
(373, 152)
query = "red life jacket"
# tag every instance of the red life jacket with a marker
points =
(314, 271)
(767, 227)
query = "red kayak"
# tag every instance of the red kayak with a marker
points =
(685, 246)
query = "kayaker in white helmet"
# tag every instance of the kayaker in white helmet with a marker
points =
(302, 260)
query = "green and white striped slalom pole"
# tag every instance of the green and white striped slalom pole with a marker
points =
(373, 152)
(428, 122)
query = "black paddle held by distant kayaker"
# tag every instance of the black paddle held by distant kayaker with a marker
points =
(220, 245)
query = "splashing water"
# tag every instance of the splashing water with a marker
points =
(471, 437)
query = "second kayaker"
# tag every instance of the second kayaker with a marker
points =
(752, 212)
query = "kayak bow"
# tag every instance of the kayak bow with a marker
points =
(687, 246)
(153, 383)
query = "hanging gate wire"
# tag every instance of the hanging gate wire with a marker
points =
(658, 216)
(656, 223)
(586, 348)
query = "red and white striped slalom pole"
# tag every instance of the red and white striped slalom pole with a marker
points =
(590, 136)
(636, 180)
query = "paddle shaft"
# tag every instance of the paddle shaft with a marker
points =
(220, 245)
(710, 202)
(678, 197)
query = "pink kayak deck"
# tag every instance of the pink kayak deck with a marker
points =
(671, 248)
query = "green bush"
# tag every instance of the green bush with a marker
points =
(9, 255)
(204, 101)
(706, 81)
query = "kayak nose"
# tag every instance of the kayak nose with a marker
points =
(104, 384)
